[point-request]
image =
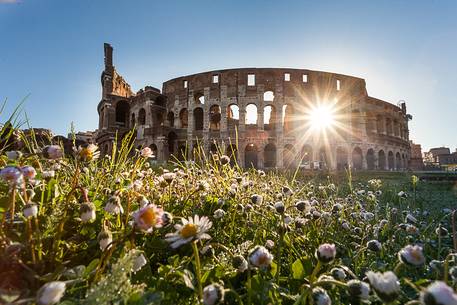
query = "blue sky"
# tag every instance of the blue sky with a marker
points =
(52, 51)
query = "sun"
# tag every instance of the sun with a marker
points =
(322, 117)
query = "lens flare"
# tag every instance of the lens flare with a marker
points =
(322, 117)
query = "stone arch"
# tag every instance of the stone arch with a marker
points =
(357, 158)
(215, 117)
(269, 117)
(398, 161)
(250, 156)
(154, 150)
(251, 115)
(379, 124)
(142, 117)
(183, 152)
(341, 158)
(403, 161)
(198, 118)
(307, 153)
(232, 152)
(171, 119)
(382, 160)
(370, 159)
(388, 126)
(268, 96)
(172, 137)
(269, 155)
(289, 156)
(233, 115)
(183, 118)
(132, 120)
(391, 160)
(122, 113)
(199, 98)
(287, 118)
(324, 157)
(161, 101)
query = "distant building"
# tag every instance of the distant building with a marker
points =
(416, 162)
(441, 157)
(85, 136)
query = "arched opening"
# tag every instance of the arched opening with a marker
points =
(153, 147)
(215, 117)
(370, 159)
(132, 120)
(307, 154)
(324, 158)
(381, 160)
(232, 152)
(269, 117)
(391, 160)
(341, 158)
(398, 161)
(389, 127)
(199, 99)
(357, 159)
(269, 158)
(268, 96)
(142, 117)
(122, 113)
(158, 118)
(251, 116)
(182, 152)
(213, 148)
(171, 119)
(233, 116)
(250, 156)
(287, 118)
(160, 101)
(289, 156)
(379, 124)
(198, 118)
(183, 118)
(172, 137)
(355, 123)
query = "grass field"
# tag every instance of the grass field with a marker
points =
(116, 230)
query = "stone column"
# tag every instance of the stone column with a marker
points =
(242, 115)
(260, 126)
(161, 149)
(364, 160)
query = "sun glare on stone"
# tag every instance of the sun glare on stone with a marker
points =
(322, 117)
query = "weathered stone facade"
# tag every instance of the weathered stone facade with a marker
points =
(258, 115)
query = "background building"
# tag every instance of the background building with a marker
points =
(262, 117)
(416, 162)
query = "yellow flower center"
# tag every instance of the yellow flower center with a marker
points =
(148, 217)
(189, 230)
(86, 154)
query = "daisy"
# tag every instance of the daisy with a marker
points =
(260, 257)
(87, 212)
(12, 175)
(213, 294)
(113, 205)
(386, 285)
(146, 152)
(148, 217)
(326, 253)
(358, 289)
(52, 152)
(190, 229)
(88, 153)
(438, 293)
(412, 255)
(50, 293)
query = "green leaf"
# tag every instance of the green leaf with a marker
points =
(298, 272)
(91, 267)
(188, 278)
(274, 268)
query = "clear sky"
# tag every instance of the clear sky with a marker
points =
(52, 51)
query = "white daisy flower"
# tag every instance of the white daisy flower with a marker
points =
(358, 289)
(51, 293)
(260, 257)
(104, 239)
(148, 217)
(412, 255)
(113, 205)
(213, 294)
(326, 253)
(30, 210)
(87, 212)
(191, 229)
(321, 297)
(438, 293)
(386, 285)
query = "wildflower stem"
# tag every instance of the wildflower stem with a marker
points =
(198, 270)
(281, 239)
(12, 205)
(315, 271)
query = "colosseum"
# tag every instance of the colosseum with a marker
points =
(260, 117)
